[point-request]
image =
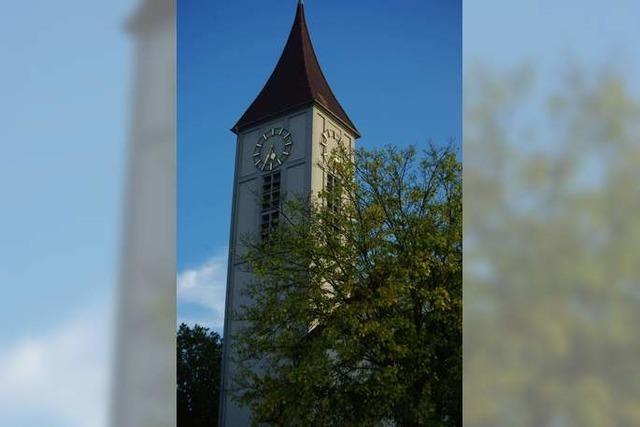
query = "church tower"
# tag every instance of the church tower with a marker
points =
(282, 139)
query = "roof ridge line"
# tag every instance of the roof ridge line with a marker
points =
(303, 28)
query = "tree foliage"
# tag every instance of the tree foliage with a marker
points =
(553, 232)
(198, 358)
(356, 313)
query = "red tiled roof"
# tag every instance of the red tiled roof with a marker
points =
(296, 81)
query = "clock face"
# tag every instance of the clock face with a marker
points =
(272, 149)
(327, 135)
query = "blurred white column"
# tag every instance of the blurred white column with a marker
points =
(144, 388)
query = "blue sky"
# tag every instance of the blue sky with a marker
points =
(54, 170)
(552, 34)
(64, 103)
(395, 67)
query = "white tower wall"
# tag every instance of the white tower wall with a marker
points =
(301, 174)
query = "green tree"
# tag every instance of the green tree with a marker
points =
(199, 355)
(551, 259)
(356, 313)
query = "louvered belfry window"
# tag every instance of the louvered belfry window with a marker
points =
(270, 212)
(333, 193)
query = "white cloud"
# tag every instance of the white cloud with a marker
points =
(205, 286)
(62, 375)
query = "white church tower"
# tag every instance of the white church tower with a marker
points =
(281, 142)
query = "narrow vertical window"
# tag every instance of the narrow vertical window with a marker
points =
(333, 193)
(270, 212)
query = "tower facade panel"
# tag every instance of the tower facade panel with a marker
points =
(283, 139)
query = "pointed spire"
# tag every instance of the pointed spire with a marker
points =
(296, 81)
